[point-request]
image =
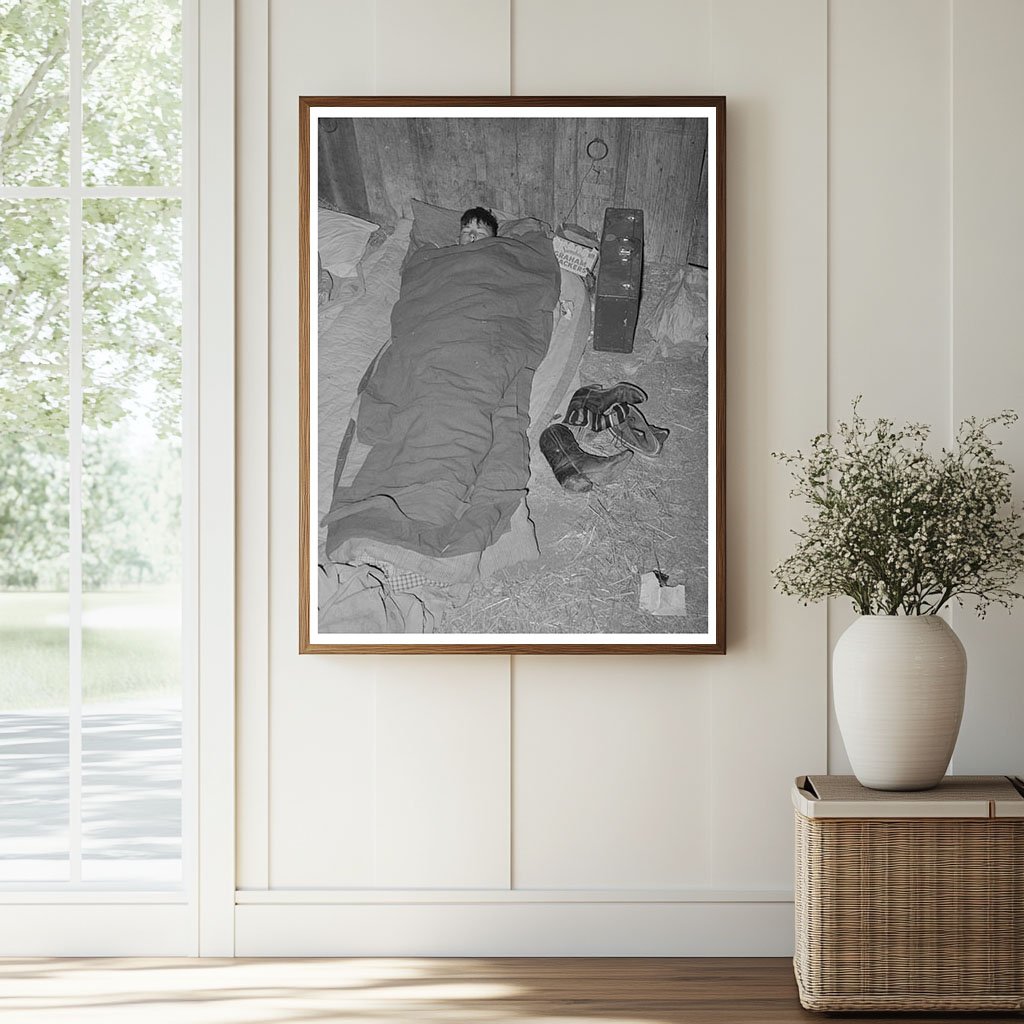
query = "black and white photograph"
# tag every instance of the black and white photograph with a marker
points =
(512, 375)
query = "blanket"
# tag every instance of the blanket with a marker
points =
(444, 410)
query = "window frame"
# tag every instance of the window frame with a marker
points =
(75, 918)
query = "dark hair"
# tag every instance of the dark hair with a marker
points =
(481, 216)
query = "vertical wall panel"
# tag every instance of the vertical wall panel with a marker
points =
(214, 528)
(252, 191)
(988, 314)
(610, 756)
(442, 48)
(442, 777)
(320, 709)
(323, 775)
(768, 693)
(888, 223)
(889, 208)
(443, 794)
(325, 828)
(612, 776)
(580, 47)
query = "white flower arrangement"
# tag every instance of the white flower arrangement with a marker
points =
(899, 530)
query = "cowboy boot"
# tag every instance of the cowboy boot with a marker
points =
(599, 407)
(575, 469)
(640, 436)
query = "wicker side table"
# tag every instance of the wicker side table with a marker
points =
(910, 901)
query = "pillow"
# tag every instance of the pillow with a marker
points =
(341, 241)
(523, 226)
(436, 225)
(433, 225)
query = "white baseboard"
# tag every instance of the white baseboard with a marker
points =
(99, 928)
(514, 928)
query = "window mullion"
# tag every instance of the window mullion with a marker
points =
(75, 334)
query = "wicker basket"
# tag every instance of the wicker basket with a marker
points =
(910, 901)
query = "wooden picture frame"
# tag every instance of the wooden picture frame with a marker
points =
(500, 449)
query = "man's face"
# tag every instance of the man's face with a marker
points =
(473, 231)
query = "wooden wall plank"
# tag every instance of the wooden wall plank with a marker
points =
(597, 178)
(399, 180)
(382, 210)
(693, 188)
(474, 161)
(500, 152)
(341, 181)
(664, 180)
(697, 251)
(623, 133)
(423, 139)
(535, 161)
(579, 180)
(539, 167)
(449, 161)
(566, 170)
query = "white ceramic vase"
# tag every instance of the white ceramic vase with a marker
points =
(898, 684)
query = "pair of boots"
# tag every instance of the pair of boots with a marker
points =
(600, 408)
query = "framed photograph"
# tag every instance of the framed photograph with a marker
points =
(512, 374)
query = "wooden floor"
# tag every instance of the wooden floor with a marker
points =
(413, 991)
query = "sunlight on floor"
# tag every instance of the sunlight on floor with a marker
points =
(185, 991)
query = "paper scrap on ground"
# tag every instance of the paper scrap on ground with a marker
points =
(658, 599)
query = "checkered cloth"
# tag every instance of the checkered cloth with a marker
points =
(403, 581)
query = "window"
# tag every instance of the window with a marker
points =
(95, 457)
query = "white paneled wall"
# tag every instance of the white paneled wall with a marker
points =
(987, 364)
(889, 249)
(889, 211)
(441, 48)
(612, 775)
(252, 465)
(626, 805)
(442, 800)
(579, 48)
(322, 815)
(768, 693)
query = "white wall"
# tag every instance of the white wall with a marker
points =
(545, 805)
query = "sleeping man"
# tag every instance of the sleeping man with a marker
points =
(477, 223)
(437, 463)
